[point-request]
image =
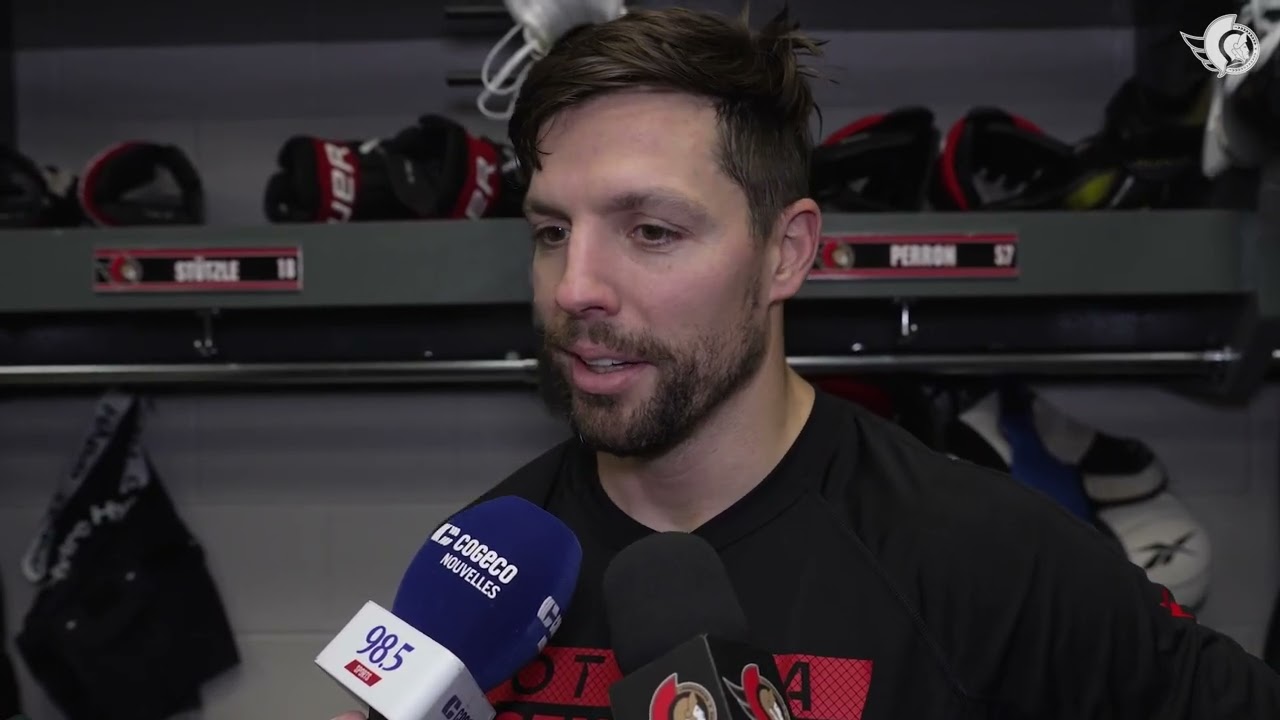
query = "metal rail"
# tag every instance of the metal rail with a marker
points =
(1138, 364)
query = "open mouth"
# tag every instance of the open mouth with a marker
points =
(604, 375)
(606, 365)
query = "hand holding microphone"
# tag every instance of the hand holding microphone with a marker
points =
(478, 602)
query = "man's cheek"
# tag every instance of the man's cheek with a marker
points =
(543, 306)
(543, 293)
(545, 273)
(539, 315)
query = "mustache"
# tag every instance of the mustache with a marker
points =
(564, 334)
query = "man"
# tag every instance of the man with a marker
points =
(667, 154)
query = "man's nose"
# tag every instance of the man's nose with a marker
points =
(586, 285)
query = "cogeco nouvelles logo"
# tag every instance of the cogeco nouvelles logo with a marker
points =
(473, 561)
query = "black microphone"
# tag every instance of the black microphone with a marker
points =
(680, 637)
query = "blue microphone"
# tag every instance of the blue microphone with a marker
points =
(478, 602)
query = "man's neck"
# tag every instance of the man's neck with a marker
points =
(733, 451)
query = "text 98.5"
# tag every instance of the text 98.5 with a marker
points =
(381, 644)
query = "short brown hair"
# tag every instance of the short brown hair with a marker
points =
(756, 81)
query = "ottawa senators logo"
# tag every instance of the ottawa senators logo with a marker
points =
(681, 701)
(757, 696)
(124, 269)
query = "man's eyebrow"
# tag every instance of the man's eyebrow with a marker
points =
(658, 199)
(534, 206)
(650, 200)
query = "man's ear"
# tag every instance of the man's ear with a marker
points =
(800, 229)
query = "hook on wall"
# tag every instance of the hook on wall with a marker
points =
(906, 326)
(205, 345)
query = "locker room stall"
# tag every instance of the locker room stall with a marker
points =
(310, 438)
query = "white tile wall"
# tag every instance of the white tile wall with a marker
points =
(310, 504)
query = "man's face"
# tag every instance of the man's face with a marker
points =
(644, 255)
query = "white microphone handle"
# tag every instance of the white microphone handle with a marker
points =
(400, 673)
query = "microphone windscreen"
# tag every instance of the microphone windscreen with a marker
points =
(664, 590)
(490, 585)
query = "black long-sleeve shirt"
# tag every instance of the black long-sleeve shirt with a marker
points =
(894, 582)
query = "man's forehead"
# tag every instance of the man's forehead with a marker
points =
(640, 198)
(628, 150)
(633, 126)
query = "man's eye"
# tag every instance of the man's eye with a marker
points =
(655, 235)
(550, 236)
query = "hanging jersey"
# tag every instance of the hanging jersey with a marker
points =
(127, 623)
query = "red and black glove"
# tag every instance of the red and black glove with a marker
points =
(993, 160)
(880, 163)
(442, 171)
(324, 180)
(432, 170)
(140, 183)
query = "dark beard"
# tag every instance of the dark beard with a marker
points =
(691, 384)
